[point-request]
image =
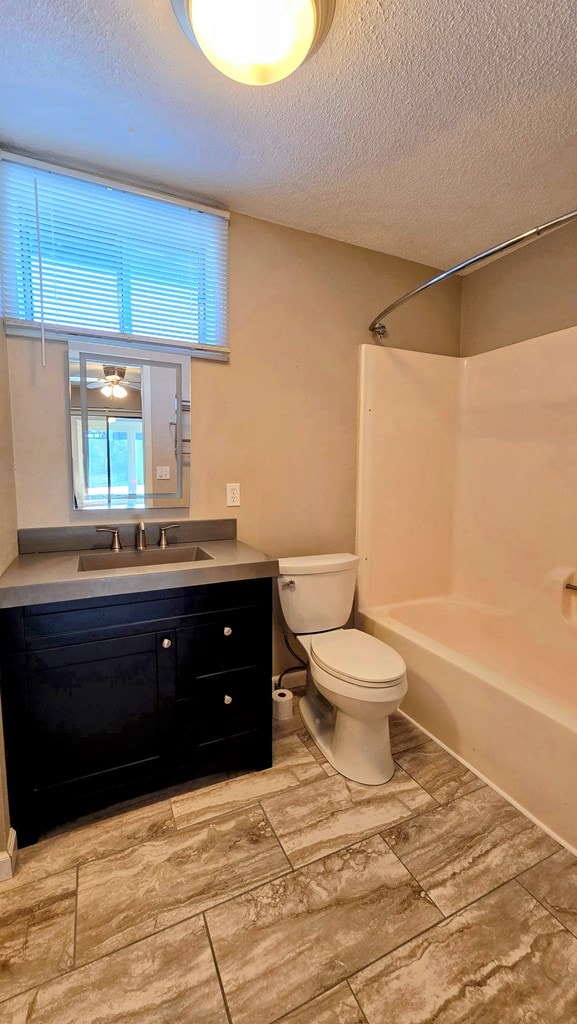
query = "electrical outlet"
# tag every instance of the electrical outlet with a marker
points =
(163, 472)
(233, 494)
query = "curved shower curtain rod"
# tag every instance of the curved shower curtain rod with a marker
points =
(379, 329)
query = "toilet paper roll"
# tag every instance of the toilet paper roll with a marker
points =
(282, 703)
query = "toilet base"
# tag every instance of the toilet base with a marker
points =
(359, 750)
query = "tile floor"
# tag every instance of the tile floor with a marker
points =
(295, 896)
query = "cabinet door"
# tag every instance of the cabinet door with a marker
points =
(97, 707)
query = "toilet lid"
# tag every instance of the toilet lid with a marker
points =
(351, 654)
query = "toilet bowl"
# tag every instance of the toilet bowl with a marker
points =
(354, 681)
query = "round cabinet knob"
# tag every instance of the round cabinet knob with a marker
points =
(227, 699)
(166, 643)
(227, 631)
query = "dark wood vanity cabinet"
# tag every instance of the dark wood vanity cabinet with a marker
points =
(107, 698)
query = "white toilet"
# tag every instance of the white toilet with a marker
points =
(354, 681)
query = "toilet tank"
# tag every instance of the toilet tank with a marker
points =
(316, 591)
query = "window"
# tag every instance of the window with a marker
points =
(80, 255)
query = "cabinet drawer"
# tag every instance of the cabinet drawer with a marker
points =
(225, 705)
(229, 641)
(41, 624)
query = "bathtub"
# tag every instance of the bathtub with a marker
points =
(497, 688)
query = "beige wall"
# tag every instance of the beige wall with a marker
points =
(8, 541)
(8, 551)
(280, 418)
(525, 294)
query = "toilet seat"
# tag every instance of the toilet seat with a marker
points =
(357, 658)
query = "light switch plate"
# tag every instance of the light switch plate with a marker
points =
(163, 472)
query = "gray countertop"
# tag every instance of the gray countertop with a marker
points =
(54, 576)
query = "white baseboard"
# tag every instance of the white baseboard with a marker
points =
(8, 857)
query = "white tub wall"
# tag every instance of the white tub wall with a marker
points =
(467, 486)
(408, 417)
(516, 498)
(507, 516)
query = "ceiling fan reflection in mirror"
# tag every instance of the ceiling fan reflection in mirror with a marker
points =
(114, 384)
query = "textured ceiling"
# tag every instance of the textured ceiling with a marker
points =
(429, 129)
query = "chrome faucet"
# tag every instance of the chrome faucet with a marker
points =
(140, 536)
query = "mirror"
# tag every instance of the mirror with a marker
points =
(129, 427)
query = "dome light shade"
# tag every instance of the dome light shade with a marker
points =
(256, 42)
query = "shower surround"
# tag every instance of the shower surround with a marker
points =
(467, 535)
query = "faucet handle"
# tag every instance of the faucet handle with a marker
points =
(116, 545)
(163, 542)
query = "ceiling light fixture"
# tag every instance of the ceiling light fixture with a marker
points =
(113, 391)
(256, 42)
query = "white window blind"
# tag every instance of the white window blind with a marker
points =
(81, 256)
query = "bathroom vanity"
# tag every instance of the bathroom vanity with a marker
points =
(108, 696)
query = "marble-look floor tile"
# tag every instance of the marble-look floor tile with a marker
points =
(287, 726)
(338, 1006)
(554, 884)
(318, 755)
(286, 751)
(78, 845)
(404, 734)
(166, 979)
(435, 770)
(311, 929)
(149, 887)
(327, 815)
(292, 765)
(504, 960)
(36, 932)
(311, 746)
(468, 847)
